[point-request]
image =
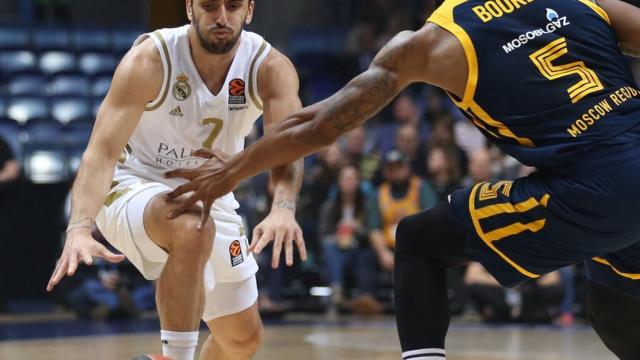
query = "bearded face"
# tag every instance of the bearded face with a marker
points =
(219, 23)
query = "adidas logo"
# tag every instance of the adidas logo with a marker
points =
(176, 112)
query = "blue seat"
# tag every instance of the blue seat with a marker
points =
(123, 39)
(46, 39)
(58, 62)
(95, 105)
(70, 85)
(78, 133)
(74, 154)
(33, 85)
(25, 109)
(44, 132)
(97, 64)
(3, 107)
(91, 40)
(15, 62)
(12, 134)
(13, 39)
(46, 164)
(101, 86)
(68, 109)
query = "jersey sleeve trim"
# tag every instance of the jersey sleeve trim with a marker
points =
(443, 17)
(600, 11)
(253, 74)
(161, 44)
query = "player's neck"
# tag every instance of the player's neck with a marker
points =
(209, 65)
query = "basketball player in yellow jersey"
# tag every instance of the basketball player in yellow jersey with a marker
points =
(546, 81)
(178, 90)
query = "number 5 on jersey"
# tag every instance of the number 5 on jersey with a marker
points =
(544, 58)
(215, 131)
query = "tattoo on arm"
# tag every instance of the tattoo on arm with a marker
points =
(285, 204)
(368, 93)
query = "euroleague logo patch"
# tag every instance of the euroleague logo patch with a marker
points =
(236, 92)
(235, 252)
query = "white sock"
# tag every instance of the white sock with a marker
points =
(179, 345)
(424, 354)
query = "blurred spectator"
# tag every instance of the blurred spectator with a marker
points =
(358, 154)
(534, 302)
(400, 195)
(480, 168)
(442, 135)
(361, 43)
(405, 111)
(444, 171)
(9, 173)
(343, 232)
(408, 144)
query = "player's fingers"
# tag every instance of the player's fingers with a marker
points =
(288, 249)
(204, 153)
(277, 249)
(188, 174)
(302, 248)
(264, 240)
(204, 214)
(58, 273)
(185, 206)
(86, 257)
(257, 231)
(181, 190)
(220, 154)
(73, 263)
(101, 251)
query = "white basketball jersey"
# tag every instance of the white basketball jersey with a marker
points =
(186, 116)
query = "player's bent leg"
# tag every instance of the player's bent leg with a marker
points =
(180, 290)
(616, 318)
(426, 244)
(232, 317)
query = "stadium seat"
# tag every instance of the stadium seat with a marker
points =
(46, 164)
(58, 62)
(91, 40)
(123, 40)
(97, 64)
(75, 157)
(101, 86)
(16, 62)
(70, 85)
(31, 85)
(25, 109)
(68, 109)
(95, 105)
(44, 131)
(11, 133)
(46, 39)
(3, 106)
(78, 133)
(13, 39)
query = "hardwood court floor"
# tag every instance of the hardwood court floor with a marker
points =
(375, 340)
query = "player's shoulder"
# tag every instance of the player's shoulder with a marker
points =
(276, 70)
(144, 57)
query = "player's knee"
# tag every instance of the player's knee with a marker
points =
(407, 233)
(242, 343)
(190, 241)
(616, 325)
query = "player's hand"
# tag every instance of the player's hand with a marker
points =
(387, 259)
(279, 226)
(208, 182)
(79, 247)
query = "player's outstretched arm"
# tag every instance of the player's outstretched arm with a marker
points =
(137, 81)
(405, 59)
(278, 86)
(625, 20)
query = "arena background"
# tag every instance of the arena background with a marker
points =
(56, 61)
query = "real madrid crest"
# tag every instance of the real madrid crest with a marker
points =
(182, 89)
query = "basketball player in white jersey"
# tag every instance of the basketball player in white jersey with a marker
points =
(179, 90)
